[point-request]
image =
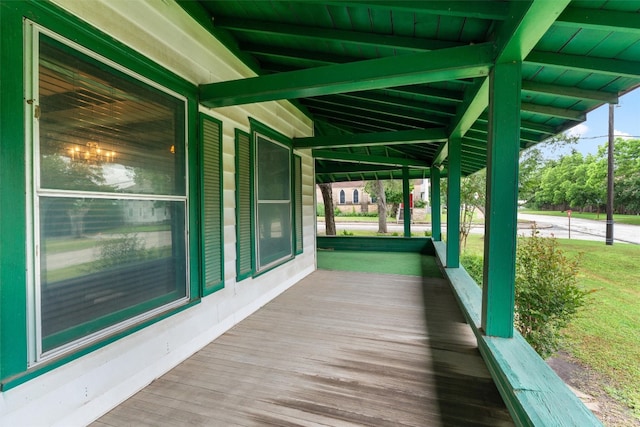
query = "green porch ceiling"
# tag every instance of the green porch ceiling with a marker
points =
(368, 70)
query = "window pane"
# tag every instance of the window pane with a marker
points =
(274, 232)
(105, 260)
(274, 171)
(101, 130)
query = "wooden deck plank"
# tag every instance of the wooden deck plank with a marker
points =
(337, 349)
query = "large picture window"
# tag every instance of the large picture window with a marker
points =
(273, 202)
(109, 196)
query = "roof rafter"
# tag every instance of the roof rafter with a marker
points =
(412, 44)
(466, 9)
(424, 67)
(376, 160)
(370, 139)
(600, 19)
(569, 92)
(545, 110)
(591, 64)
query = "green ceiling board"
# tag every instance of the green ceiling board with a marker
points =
(363, 158)
(300, 34)
(398, 103)
(388, 138)
(459, 62)
(604, 20)
(432, 94)
(362, 115)
(474, 9)
(354, 127)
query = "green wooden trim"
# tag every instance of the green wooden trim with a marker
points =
(472, 9)
(533, 393)
(245, 262)
(211, 202)
(425, 67)
(453, 203)
(13, 297)
(562, 113)
(13, 261)
(405, 200)
(502, 201)
(423, 245)
(298, 205)
(372, 139)
(436, 226)
(261, 128)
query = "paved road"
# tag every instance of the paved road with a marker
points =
(581, 229)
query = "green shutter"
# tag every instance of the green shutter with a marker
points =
(212, 204)
(297, 180)
(244, 203)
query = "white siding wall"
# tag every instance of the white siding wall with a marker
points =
(82, 390)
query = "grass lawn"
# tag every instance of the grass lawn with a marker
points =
(606, 334)
(622, 219)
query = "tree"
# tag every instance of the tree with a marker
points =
(329, 219)
(472, 198)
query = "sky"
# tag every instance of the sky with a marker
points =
(593, 132)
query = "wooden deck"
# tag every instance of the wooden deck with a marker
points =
(337, 349)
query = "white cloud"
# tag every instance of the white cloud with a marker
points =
(578, 130)
(619, 134)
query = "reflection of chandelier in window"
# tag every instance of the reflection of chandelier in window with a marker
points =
(92, 153)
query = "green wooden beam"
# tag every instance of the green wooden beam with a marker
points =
(362, 158)
(406, 222)
(515, 37)
(528, 21)
(464, 9)
(425, 67)
(588, 64)
(562, 113)
(502, 201)
(453, 203)
(600, 19)
(332, 35)
(356, 123)
(398, 103)
(348, 168)
(571, 92)
(372, 139)
(434, 183)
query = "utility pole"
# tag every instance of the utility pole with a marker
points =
(609, 238)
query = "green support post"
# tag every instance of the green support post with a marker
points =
(406, 202)
(436, 227)
(453, 203)
(503, 150)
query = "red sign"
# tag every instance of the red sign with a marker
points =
(569, 212)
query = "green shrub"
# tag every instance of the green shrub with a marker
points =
(547, 292)
(419, 203)
(428, 233)
(473, 263)
(347, 233)
(320, 209)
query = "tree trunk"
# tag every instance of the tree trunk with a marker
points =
(382, 207)
(329, 220)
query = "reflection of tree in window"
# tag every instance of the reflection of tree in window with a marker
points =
(342, 197)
